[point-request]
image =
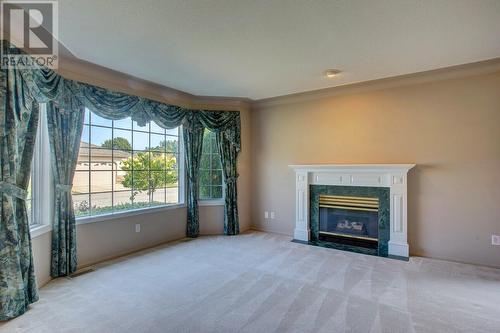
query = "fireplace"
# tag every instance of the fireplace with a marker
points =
(349, 220)
(347, 186)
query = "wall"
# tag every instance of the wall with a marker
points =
(448, 127)
(111, 238)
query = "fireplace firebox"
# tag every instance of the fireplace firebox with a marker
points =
(349, 220)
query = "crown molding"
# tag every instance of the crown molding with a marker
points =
(77, 69)
(453, 72)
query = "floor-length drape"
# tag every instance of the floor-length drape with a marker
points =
(227, 127)
(193, 143)
(18, 126)
(229, 154)
(65, 130)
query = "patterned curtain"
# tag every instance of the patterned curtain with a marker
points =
(65, 124)
(193, 143)
(229, 154)
(18, 126)
(228, 128)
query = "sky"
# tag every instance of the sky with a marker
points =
(97, 135)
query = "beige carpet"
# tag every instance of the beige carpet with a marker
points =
(260, 282)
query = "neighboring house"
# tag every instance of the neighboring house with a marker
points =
(102, 159)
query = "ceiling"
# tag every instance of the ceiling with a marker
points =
(265, 48)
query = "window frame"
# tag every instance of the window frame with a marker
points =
(158, 208)
(213, 201)
(42, 187)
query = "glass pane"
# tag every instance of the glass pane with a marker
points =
(100, 136)
(172, 144)
(101, 181)
(123, 123)
(102, 203)
(158, 161)
(172, 161)
(81, 182)
(216, 177)
(140, 181)
(29, 212)
(86, 118)
(123, 169)
(159, 196)
(172, 195)
(141, 199)
(81, 205)
(216, 192)
(83, 162)
(216, 161)
(157, 180)
(98, 120)
(29, 195)
(204, 192)
(205, 177)
(206, 145)
(122, 200)
(156, 129)
(173, 131)
(140, 161)
(172, 178)
(158, 142)
(141, 141)
(101, 159)
(122, 140)
(86, 134)
(122, 161)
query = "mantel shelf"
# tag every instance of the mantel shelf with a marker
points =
(352, 167)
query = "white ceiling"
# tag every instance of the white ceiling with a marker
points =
(266, 48)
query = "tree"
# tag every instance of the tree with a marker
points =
(117, 143)
(168, 145)
(162, 172)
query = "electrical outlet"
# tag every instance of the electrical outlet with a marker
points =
(137, 228)
(495, 240)
(272, 215)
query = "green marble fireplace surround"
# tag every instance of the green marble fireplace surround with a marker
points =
(382, 193)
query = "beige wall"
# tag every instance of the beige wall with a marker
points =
(41, 257)
(449, 128)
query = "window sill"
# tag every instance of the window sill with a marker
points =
(38, 230)
(215, 202)
(113, 216)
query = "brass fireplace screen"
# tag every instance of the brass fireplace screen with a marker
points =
(349, 217)
(351, 203)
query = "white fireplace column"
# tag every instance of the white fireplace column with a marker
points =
(393, 176)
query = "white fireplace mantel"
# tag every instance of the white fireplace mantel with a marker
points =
(392, 176)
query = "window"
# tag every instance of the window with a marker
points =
(123, 166)
(29, 203)
(40, 187)
(210, 169)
